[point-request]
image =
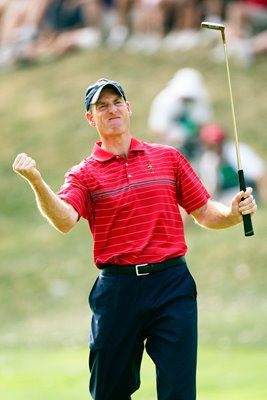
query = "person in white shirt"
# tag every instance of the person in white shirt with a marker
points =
(179, 110)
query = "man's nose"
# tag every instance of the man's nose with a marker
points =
(112, 108)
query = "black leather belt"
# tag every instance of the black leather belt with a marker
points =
(142, 269)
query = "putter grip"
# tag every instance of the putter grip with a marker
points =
(248, 228)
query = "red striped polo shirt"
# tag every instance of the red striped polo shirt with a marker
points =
(132, 204)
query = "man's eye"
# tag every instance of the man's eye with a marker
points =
(102, 107)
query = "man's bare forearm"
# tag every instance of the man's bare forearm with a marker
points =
(59, 213)
(215, 215)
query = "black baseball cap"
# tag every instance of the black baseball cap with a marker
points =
(93, 92)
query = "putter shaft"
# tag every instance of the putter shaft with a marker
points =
(221, 28)
(239, 166)
(248, 228)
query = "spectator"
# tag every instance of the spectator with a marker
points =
(247, 50)
(143, 24)
(34, 29)
(68, 25)
(213, 10)
(179, 110)
(218, 165)
(121, 28)
(246, 27)
(20, 24)
(185, 33)
(148, 26)
(109, 16)
(244, 18)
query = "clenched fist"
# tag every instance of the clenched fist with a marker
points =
(26, 167)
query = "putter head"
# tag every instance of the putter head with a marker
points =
(213, 25)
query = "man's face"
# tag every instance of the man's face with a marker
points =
(111, 114)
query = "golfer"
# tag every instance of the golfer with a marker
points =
(129, 192)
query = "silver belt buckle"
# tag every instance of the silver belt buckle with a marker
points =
(140, 273)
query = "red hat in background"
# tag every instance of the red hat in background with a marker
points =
(212, 134)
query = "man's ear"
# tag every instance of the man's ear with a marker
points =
(128, 105)
(90, 118)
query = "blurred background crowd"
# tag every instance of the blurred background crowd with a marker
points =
(34, 30)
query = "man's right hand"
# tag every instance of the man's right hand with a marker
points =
(62, 215)
(25, 166)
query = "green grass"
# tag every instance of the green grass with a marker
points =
(62, 374)
(45, 276)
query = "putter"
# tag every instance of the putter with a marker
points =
(248, 228)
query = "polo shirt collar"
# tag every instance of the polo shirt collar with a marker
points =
(102, 155)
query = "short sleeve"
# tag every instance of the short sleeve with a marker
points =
(191, 193)
(75, 192)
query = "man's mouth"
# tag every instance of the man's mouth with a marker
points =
(111, 119)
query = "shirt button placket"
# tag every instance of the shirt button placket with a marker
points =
(127, 170)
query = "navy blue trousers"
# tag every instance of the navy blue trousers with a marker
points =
(156, 311)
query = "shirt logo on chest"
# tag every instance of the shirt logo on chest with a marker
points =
(150, 167)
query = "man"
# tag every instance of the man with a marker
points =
(178, 112)
(129, 192)
(217, 165)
